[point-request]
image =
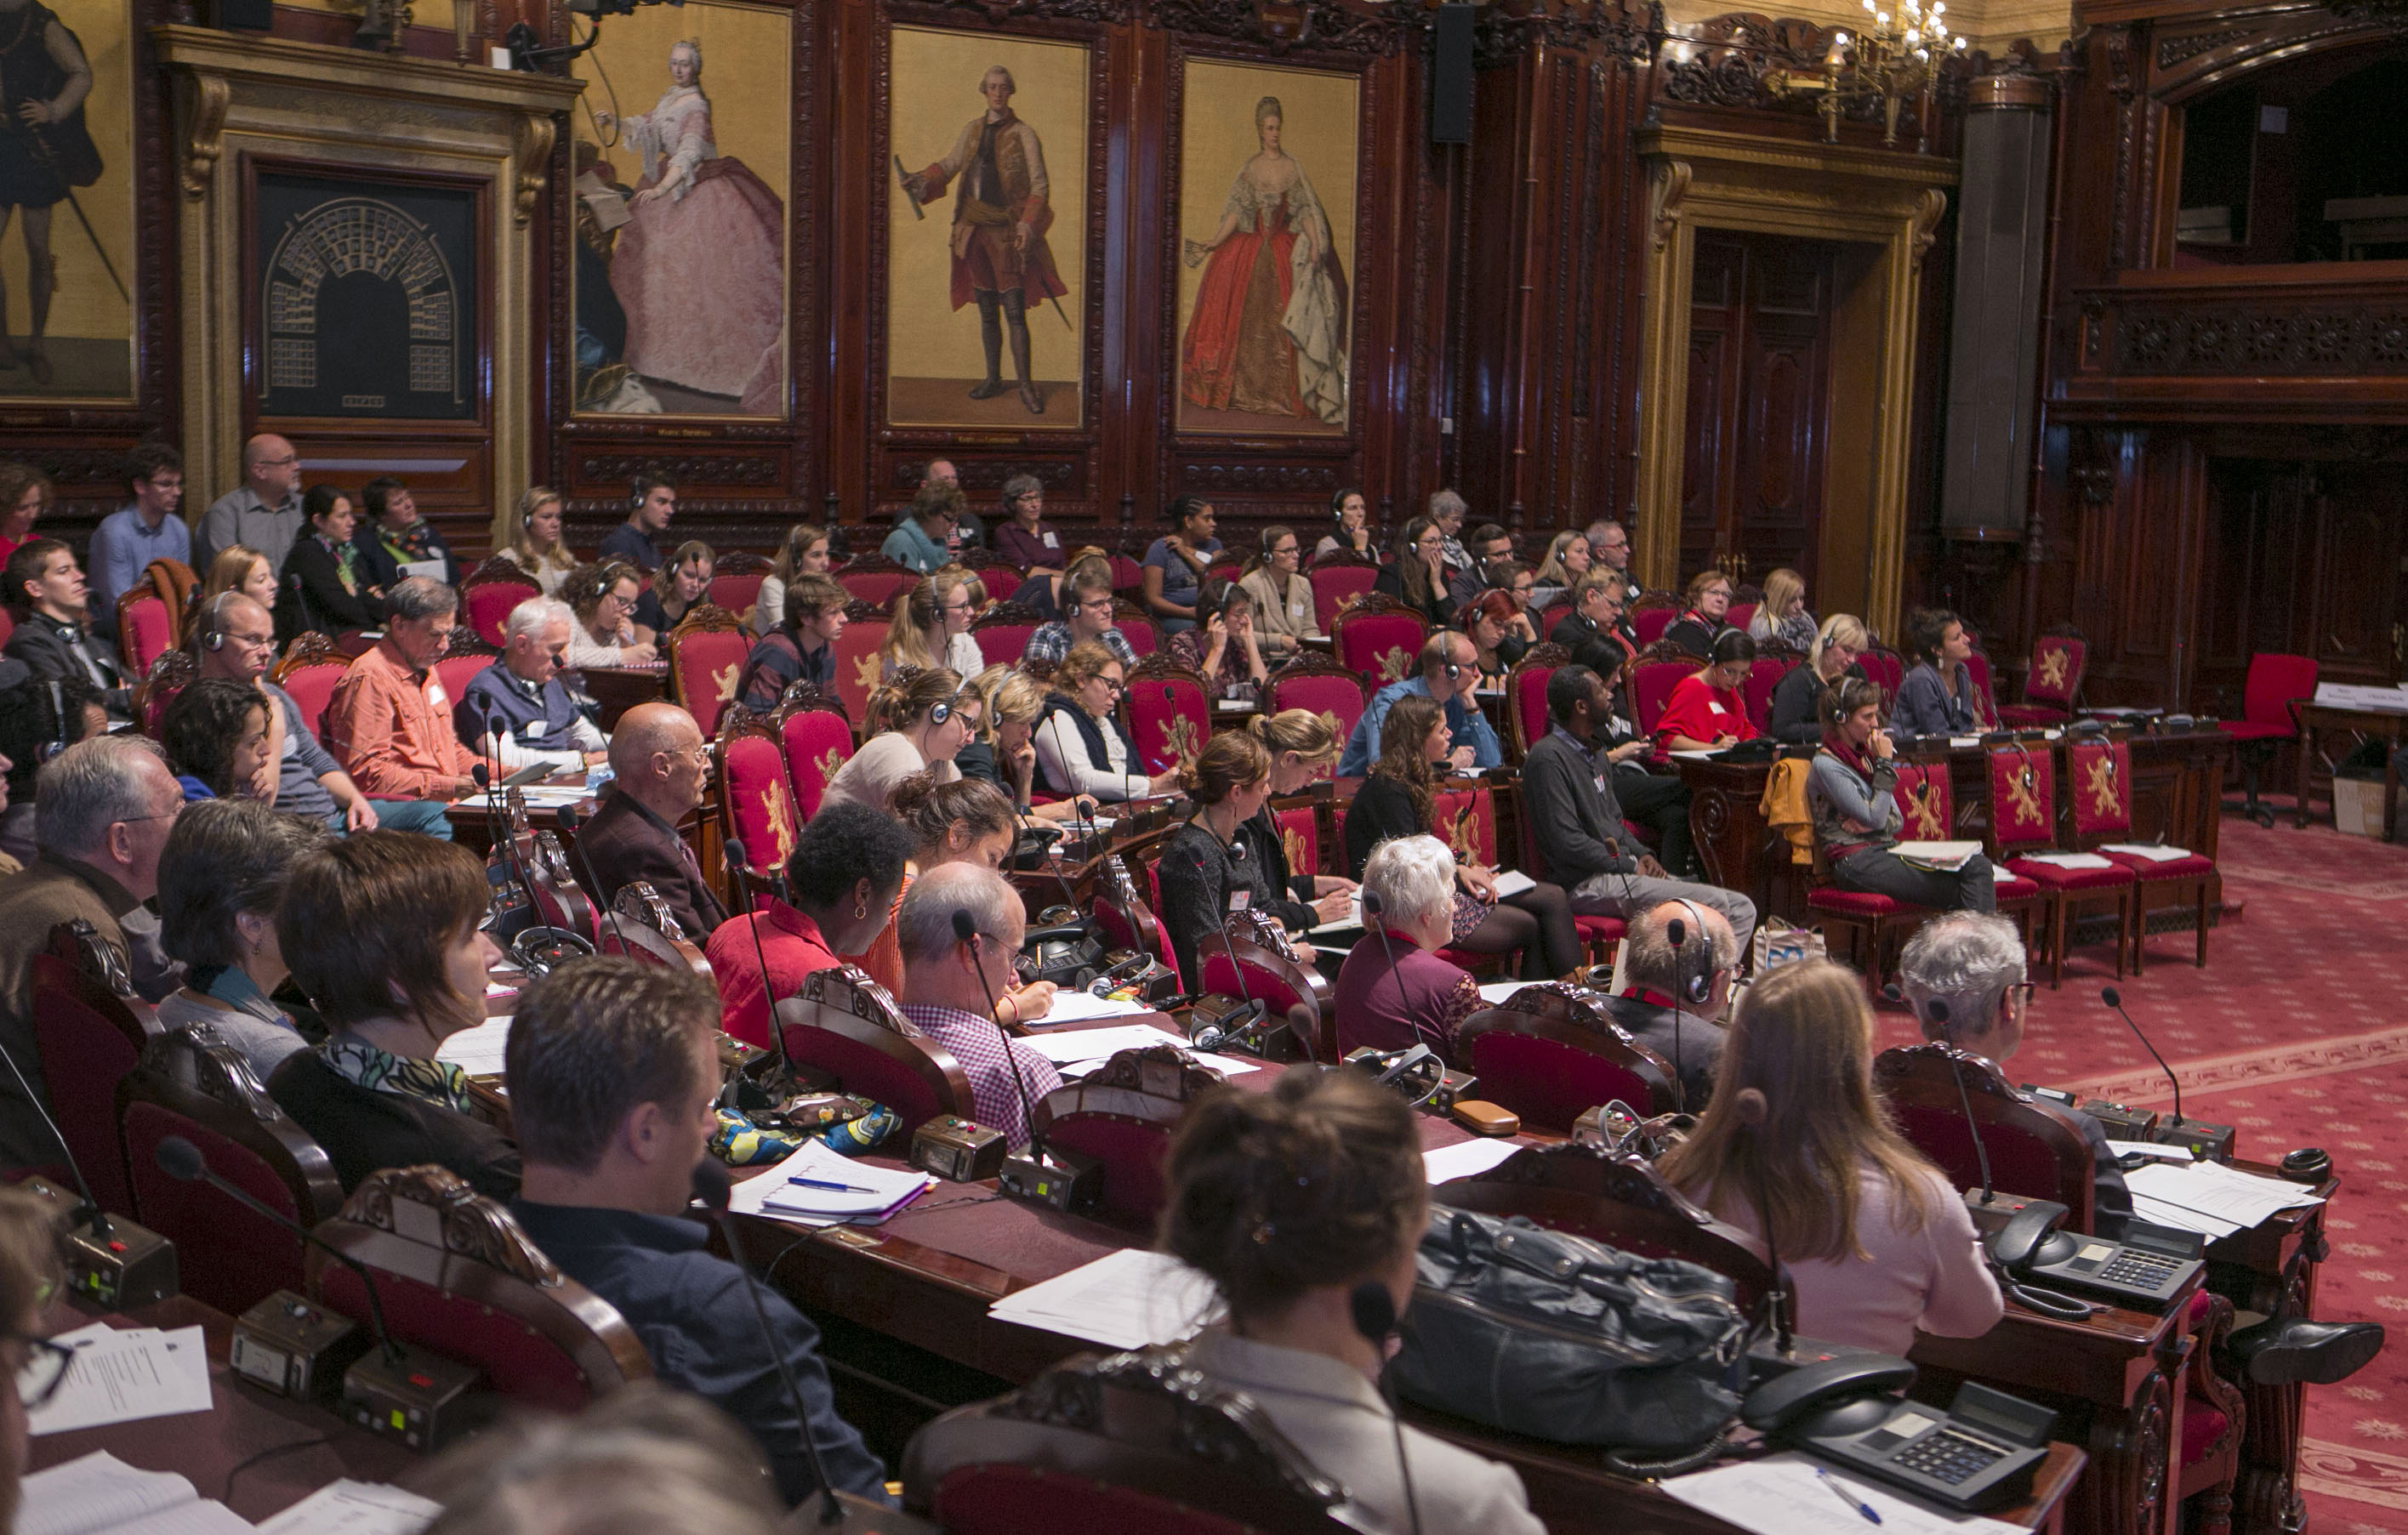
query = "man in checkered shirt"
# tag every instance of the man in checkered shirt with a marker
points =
(945, 998)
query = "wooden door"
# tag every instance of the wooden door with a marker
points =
(1757, 418)
(2359, 633)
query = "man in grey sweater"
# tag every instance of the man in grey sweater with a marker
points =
(1578, 822)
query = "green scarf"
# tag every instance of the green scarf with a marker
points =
(358, 1062)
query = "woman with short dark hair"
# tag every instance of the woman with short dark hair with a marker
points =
(324, 584)
(844, 877)
(221, 876)
(1851, 794)
(1706, 713)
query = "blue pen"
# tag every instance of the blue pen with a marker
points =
(1846, 1496)
(839, 1188)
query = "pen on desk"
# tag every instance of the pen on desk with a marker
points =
(839, 1188)
(1846, 1496)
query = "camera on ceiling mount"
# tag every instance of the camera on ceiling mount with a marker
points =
(528, 54)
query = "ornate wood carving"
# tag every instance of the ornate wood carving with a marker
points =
(199, 1059)
(848, 990)
(1334, 24)
(472, 1226)
(2244, 340)
(204, 110)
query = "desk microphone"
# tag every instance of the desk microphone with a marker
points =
(110, 1261)
(1374, 1312)
(1230, 1027)
(1065, 1181)
(2212, 1141)
(740, 869)
(1675, 931)
(711, 1189)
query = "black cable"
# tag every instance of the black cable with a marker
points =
(239, 1466)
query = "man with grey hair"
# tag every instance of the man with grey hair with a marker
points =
(1448, 509)
(390, 720)
(948, 988)
(263, 513)
(518, 710)
(1673, 997)
(1963, 974)
(102, 808)
(1448, 673)
(1394, 991)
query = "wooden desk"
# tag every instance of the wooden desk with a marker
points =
(2371, 722)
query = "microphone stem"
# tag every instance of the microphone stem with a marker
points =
(1010, 1057)
(831, 1512)
(2172, 1080)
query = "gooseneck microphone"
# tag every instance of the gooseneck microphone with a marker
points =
(1675, 933)
(966, 929)
(1374, 1312)
(739, 869)
(711, 1186)
(2212, 1141)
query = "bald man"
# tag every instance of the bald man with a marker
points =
(1697, 975)
(263, 512)
(659, 761)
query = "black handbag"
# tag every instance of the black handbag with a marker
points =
(1541, 1333)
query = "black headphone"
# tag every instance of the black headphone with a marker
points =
(1694, 987)
(59, 712)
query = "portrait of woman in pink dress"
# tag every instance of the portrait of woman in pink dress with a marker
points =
(700, 267)
(1269, 331)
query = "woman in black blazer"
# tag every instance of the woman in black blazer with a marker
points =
(1794, 716)
(325, 584)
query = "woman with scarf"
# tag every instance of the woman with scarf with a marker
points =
(326, 583)
(1851, 793)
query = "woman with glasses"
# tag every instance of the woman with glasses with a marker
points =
(1706, 713)
(682, 581)
(931, 625)
(1227, 652)
(1496, 626)
(921, 720)
(1025, 539)
(1418, 576)
(1795, 717)
(603, 598)
(1851, 792)
(1285, 615)
(30, 1279)
(1005, 751)
(1702, 620)
(1081, 747)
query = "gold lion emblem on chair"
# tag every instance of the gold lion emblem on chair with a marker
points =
(2051, 664)
(1393, 662)
(1923, 812)
(2099, 783)
(782, 827)
(2023, 798)
(868, 671)
(1179, 735)
(831, 763)
(725, 681)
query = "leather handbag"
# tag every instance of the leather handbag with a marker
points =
(1542, 1333)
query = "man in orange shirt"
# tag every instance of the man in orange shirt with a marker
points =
(389, 723)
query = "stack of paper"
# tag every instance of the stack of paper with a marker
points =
(1783, 1495)
(2209, 1197)
(1946, 856)
(1126, 1299)
(1080, 1050)
(1494, 993)
(2150, 1149)
(355, 1508)
(1467, 1158)
(1071, 1007)
(101, 1495)
(119, 1376)
(477, 1051)
(817, 1186)
(2378, 700)
(2069, 860)
(2155, 853)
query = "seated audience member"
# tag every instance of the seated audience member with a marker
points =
(1489, 546)
(1418, 575)
(1566, 562)
(1003, 752)
(1700, 623)
(1593, 630)
(1659, 801)
(1653, 1006)
(1208, 871)
(26, 496)
(947, 983)
(1795, 717)
(221, 876)
(1851, 793)
(381, 932)
(1176, 563)
(1609, 545)
(1086, 619)
(517, 711)
(1450, 672)
(1288, 1200)
(1780, 617)
(326, 582)
(1285, 613)
(1937, 697)
(1494, 623)
(105, 808)
(645, 1458)
(612, 1073)
(930, 625)
(531, 535)
(920, 721)
(216, 734)
(1706, 712)
(1398, 993)
(637, 542)
(1570, 790)
(804, 553)
(1972, 964)
(845, 876)
(1226, 651)
(396, 534)
(237, 641)
(1042, 595)
(1877, 1241)
(659, 763)
(389, 721)
(1081, 746)
(940, 472)
(53, 637)
(949, 823)
(1448, 509)
(39, 719)
(930, 536)
(238, 568)
(1025, 539)
(1302, 745)
(1399, 799)
(672, 593)
(144, 529)
(1350, 518)
(802, 647)
(603, 598)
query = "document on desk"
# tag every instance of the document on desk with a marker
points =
(1466, 1160)
(2375, 700)
(1071, 1007)
(2212, 1188)
(1494, 993)
(477, 1051)
(101, 1495)
(2155, 853)
(120, 1376)
(1083, 1046)
(1781, 1495)
(355, 1508)
(1946, 857)
(1131, 1299)
(2158, 1213)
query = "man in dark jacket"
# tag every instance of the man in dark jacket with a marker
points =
(1697, 975)
(54, 639)
(660, 762)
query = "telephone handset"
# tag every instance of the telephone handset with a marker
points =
(2146, 1269)
(1978, 1455)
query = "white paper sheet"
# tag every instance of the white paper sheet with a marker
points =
(1095, 1044)
(1070, 1006)
(2150, 1148)
(2069, 860)
(1130, 1298)
(355, 1508)
(201, 1516)
(872, 1191)
(2213, 1189)
(94, 1493)
(2378, 700)
(1781, 1495)
(477, 1051)
(1467, 1159)
(1512, 881)
(120, 1377)
(1496, 992)
(1949, 856)
(2158, 1213)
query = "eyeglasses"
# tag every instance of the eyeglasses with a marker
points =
(44, 1372)
(1101, 605)
(252, 642)
(1115, 684)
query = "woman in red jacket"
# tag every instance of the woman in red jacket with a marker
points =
(1706, 712)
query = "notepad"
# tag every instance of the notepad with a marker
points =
(355, 1508)
(101, 1495)
(1131, 1299)
(1781, 1495)
(2155, 853)
(1948, 857)
(2070, 860)
(1071, 1007)
(1512, 881)
(870, 1194)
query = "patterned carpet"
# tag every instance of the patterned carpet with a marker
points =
(2294, 1035)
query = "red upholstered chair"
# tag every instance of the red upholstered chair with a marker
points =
(848, 1025)
(146, 629)
(1756, 692)
(488, 594)
(2208, 1458)
(1378, 639)
(1166, 712)
(2101, 785)
(2271, 696)
(2023, 821)
(1123, 1114)
(706, 654)
(2053, 682)
(1299, 827)
(1144, 635)
(1526, 696)
(1986, 699)
(1465, 818)
(464, 657)
(857, 665)
(459, 1279)
(1549, 617)
(1550, 1053)
(309, 671)
(736, 582)
(89, 1031)
(1270, 970)
(756, 801)
(1651, 688)
(1885, 670)
(1737, 614)
(8, 626)
(1314, 682)
(1003, 631)
(225, 1256)
(1127, 1442)
(159, 687)
(1651, 614)
(1128, 577)
(1337, 580)
(817, 741)
(2036, 1148)
(1927, 811)
(1228, 571)
(874, 577)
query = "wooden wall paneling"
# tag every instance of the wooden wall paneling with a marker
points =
(1504, 261)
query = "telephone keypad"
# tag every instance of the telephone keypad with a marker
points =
(1949, 1456)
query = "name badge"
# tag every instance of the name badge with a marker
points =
(1052, 542)
(1239, 898)
(1600, 783)
(531, 731)
(435, 694)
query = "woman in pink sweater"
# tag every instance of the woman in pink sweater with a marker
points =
(1875, 1238)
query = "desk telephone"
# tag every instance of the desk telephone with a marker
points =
(2146, 1271)
(1978, 1455)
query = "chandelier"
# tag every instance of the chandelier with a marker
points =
(1889, 63)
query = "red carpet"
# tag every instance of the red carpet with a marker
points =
(2293, 1034)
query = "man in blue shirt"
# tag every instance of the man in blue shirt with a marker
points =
(637, 540)
(1450, 670)
(927, 538)
(522, 692)
(612, 1072)
(146, 529)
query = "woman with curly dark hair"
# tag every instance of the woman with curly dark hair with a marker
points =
(215, 736)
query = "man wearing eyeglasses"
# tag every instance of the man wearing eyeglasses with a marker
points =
(659, 763)
(263, 513)
(517, 711)
(1087, 604)
(946, 984)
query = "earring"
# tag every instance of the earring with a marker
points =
(860, 911)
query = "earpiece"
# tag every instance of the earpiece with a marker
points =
(1694, 987)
